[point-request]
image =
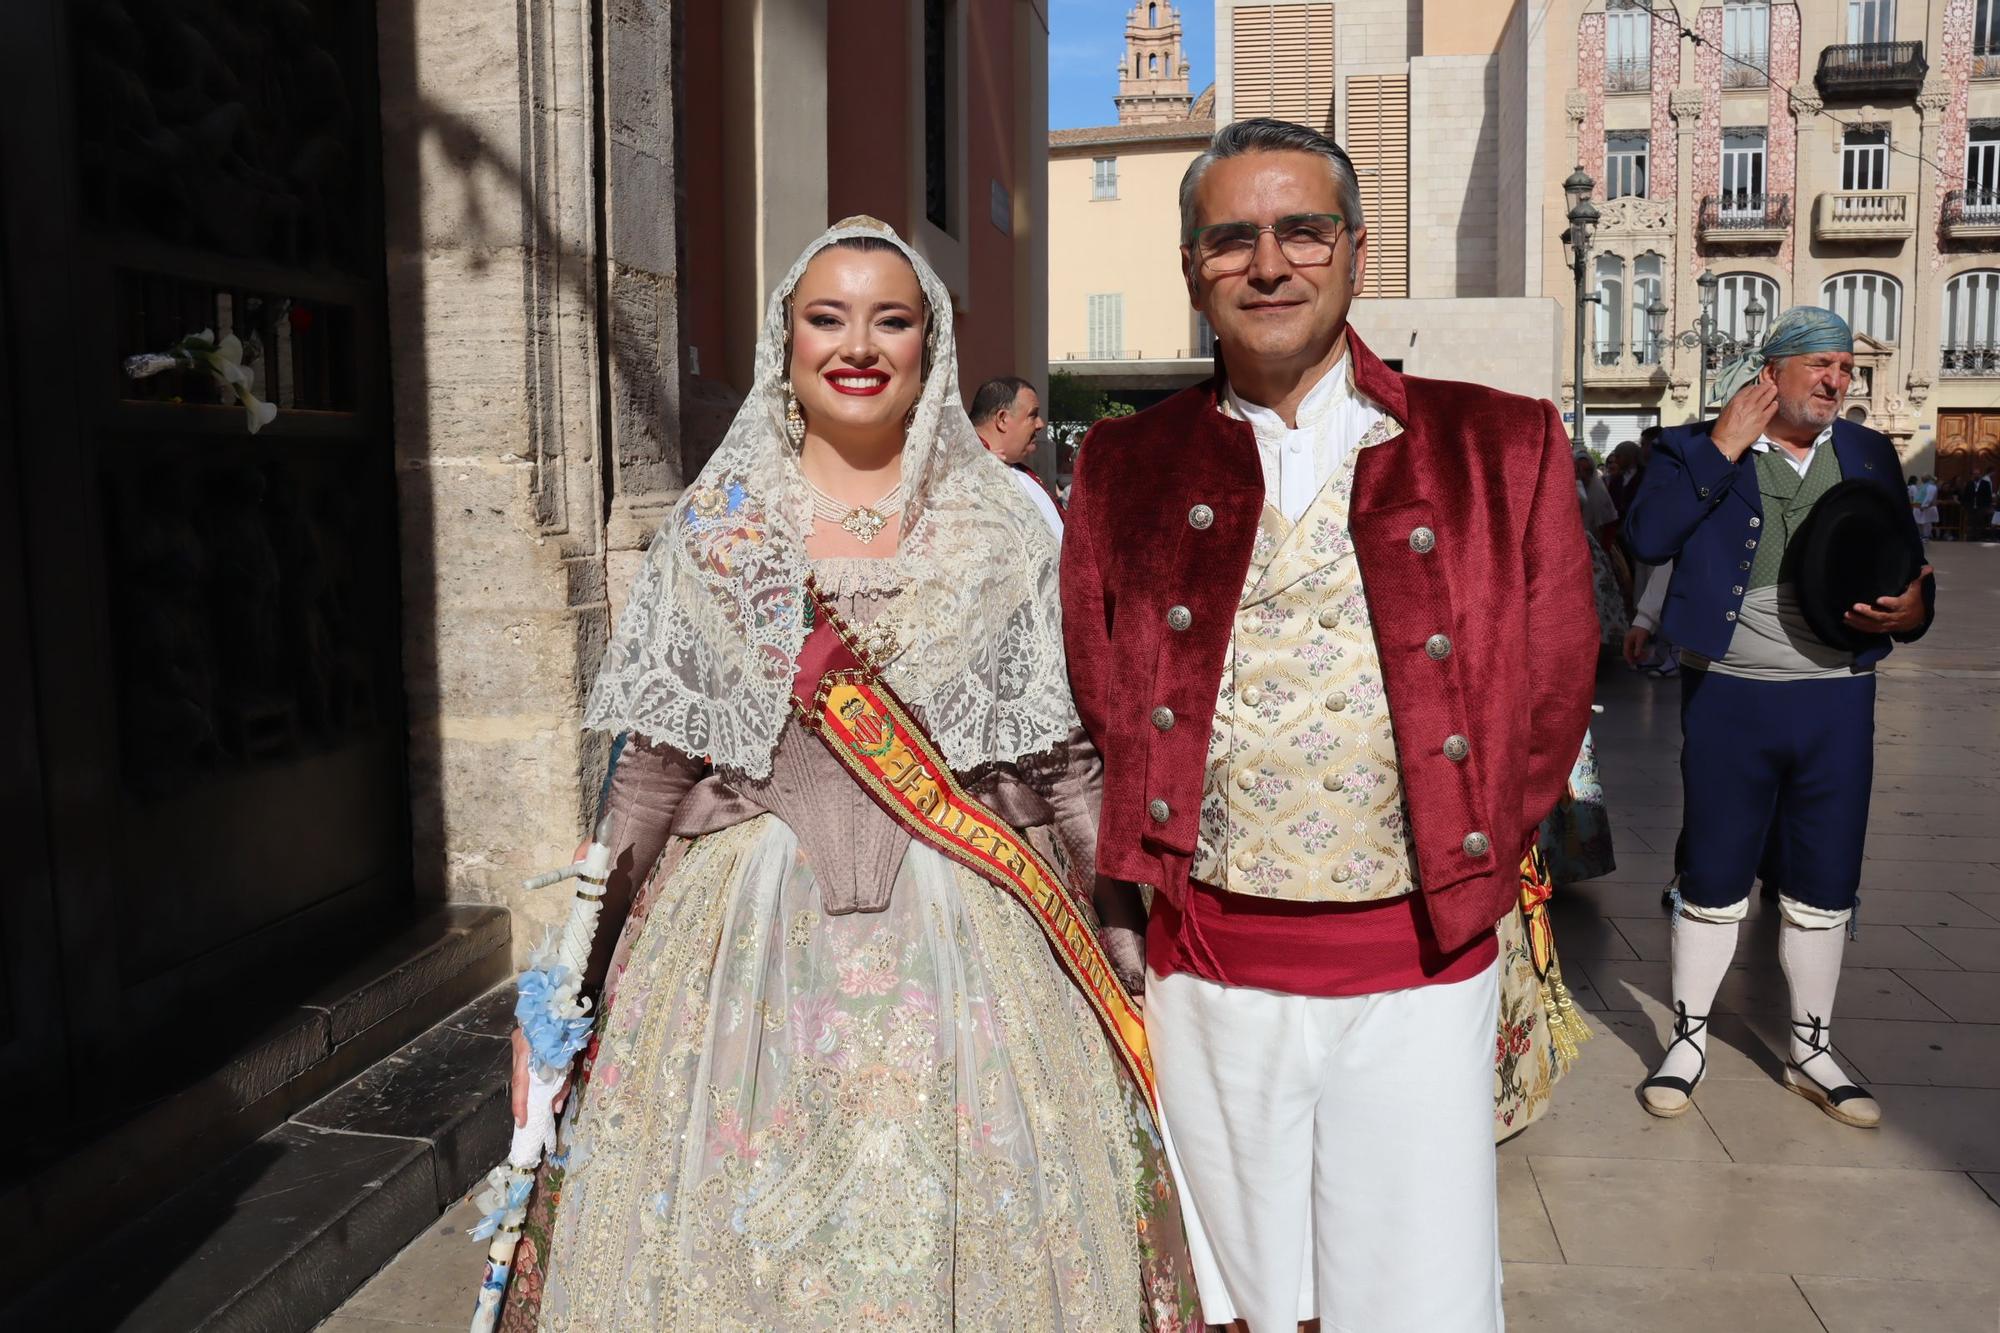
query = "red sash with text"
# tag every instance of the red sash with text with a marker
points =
(845, 702)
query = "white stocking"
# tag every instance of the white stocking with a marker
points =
(1811, 961)
(1702, 951)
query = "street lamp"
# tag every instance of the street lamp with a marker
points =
(1583, 217)
(1753, 321)
(1703, 337)
(1656, 326)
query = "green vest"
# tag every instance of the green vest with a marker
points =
(1788, 498)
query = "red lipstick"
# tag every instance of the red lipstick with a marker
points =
(875, 382)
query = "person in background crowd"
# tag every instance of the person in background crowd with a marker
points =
(1646, 649)
(1611, 580)
(1777, 726)
(1927, 507)
(1979, 499)
(1007, 413)
(1622, 474)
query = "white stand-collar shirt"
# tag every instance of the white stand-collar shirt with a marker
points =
(1765, 444)
(1332, 419)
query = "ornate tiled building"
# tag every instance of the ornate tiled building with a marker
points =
(1843, 153)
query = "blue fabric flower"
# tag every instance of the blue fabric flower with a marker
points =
(553, 1037)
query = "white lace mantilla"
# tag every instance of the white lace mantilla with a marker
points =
(703, 657)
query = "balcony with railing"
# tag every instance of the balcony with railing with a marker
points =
(1971, 215)
(1970, 361)
(1862, 215)
(1613, 362)
(1632, 74)
(1745, 219)
(1871, 69)
(1985, 61)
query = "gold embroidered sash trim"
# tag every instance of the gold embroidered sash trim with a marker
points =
(842, 698)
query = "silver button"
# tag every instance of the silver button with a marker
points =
(1337, 700)
(1729, 615)
(1744, 565)
(1756, 522)
(1247, 779)
(1159, 810)
(1329, 618)
(1332, 782)
(1179, 617)
(1200, 517)
(1246, 861)
(1163, 718)
(1456, 748)
(1341, 874)
(1422, 540)
(1252, 696)
(1750, 545)
(1438, 646)
(1702, 492)
(1737, 590)
(1475, 844)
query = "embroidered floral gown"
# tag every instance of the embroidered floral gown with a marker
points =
(902, 1116)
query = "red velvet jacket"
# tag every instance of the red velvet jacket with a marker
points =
(1465, 525)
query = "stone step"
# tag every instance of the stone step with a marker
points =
(277, 1236)
(419, 977)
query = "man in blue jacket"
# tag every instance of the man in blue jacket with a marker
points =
(1775, 724)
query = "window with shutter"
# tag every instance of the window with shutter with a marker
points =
(1378, 139)
(1106, 331)
(1283, 63)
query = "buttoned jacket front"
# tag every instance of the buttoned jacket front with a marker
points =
(1706, 514)
(1471, 551)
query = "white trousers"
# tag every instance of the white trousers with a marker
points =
(1334, 1154)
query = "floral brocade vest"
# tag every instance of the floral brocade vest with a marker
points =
(1301, 796)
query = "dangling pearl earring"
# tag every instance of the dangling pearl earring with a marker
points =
(795, 422)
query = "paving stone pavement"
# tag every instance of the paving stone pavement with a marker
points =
(1754, 1211)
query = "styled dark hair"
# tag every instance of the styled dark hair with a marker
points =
(994, 397)
(1265, 135)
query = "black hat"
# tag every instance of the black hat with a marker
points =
(1855, 546)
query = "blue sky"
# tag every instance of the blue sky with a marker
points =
(1086, 42)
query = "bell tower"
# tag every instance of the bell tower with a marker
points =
(1153, 81)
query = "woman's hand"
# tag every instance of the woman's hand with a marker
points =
(1636, 640)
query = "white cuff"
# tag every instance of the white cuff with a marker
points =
(1720, 916)
(1807, 917)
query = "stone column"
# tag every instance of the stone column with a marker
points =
(1923, 332)
(510, 245)
(1686, 108)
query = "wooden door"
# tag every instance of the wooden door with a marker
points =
(1968, 444)
(208, 618)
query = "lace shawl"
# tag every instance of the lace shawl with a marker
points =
(703, 656)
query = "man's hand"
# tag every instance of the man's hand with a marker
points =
(1892, 615)
(1744, 418)
(1636, 640)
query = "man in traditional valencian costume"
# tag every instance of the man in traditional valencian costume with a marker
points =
(1777, 713)
(1331, 627)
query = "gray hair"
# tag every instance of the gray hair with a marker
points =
(1265, 135)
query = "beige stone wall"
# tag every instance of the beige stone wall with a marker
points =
(1466, 27)
(500, 220)
(1503, 343)
(1455, 181)
(1129, 245)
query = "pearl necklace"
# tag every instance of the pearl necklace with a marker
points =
(864, 521)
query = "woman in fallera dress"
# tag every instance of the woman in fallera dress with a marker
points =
(840, 1080)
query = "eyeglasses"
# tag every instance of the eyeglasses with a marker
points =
(1307, 239)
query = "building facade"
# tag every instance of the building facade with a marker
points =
(1843, 153)
(1430, 99)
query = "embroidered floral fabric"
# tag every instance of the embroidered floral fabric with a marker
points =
(702, 657)
(904, 1119)
(1302, 798)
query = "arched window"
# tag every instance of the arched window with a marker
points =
(1138, 66)
(1649, 273)
(1152, 16)
(1871, 303)
(1610, 308)
(1733, 294)
(1152, 64)
(1972, 323)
